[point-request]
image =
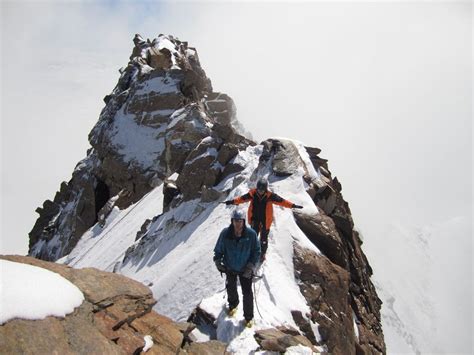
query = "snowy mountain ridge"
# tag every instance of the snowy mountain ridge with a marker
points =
(146, 203)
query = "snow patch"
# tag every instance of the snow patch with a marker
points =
(356, 328)
(177, 116)
(210, 152)
(137, 143)
(158, 85)
(148, 343)
(298, 350)
(31, 292)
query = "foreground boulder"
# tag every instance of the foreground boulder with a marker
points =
(278, 340)
(114, 318)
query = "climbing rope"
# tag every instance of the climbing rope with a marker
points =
(256, 293)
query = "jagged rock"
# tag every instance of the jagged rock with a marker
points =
(276, 340)
(140, 44)
(326, 199)
(46, 214)
(188, 128)
(286, 158)
(165, 333)
(185, 328)
(204, 321)
(210, 194)
(228, 134)
(288, 330)
(199, 169)
(332, 232)
(157, 91)
(227, 152)
(304, 325)
(221, 107)
(330, 304)
(170, 191)
(158, 100)
(63, 221)
(318, 162)
(143, 230)
(212, 347)
(224, 132)
(113, 319)
(231, 169)
(322, 231)
(159, 58)
(73, 335)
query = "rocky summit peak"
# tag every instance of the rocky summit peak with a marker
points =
(161, 109)
(146, 203)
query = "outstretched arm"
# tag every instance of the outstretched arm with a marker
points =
(280, 201)
(239, 200)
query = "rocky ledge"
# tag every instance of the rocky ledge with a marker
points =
(114, 318)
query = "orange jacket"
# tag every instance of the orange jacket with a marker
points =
(261, 208)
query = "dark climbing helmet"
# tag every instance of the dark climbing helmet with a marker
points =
(262, 184)
(238, 213)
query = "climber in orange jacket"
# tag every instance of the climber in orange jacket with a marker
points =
(260, 212)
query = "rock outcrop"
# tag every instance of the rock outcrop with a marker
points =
(114, 318)
(280, 340)
(160, 119)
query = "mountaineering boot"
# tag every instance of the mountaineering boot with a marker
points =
(232, 311)
(249, 323)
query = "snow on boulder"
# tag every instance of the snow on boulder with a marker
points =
(113, 313)
(30, 292)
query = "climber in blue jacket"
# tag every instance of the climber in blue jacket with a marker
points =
(236, 253)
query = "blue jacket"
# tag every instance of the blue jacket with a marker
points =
(237, 251)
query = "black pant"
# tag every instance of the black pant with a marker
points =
(258, 227)
(233, 296)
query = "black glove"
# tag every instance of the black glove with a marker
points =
(297, 206)
(229, 202)
(248, 271)
(220, 265)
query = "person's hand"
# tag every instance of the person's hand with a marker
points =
(229, 202)
(248, 271)
(297, 206)
(220, 266)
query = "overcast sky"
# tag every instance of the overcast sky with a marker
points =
(384, 89)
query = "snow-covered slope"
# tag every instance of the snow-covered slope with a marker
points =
(187, 237)
(104, 247)
(176, 259)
